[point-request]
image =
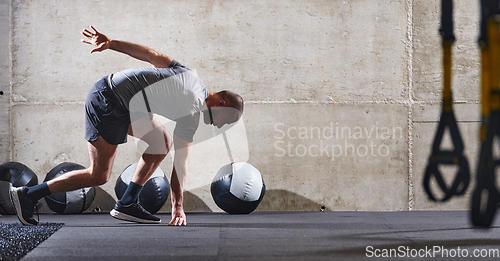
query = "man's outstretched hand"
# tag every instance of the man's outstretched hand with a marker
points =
(178, 217)
(100, 41)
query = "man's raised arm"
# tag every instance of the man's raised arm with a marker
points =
(101, 42)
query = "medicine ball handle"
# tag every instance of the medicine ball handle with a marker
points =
(486, 196)
(447, 121)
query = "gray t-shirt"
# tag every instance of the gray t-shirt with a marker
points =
(175, 93)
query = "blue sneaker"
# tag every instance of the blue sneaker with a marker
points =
(133, 212)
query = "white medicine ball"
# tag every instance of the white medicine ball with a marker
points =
(238, 188)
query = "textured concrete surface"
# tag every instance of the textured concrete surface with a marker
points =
(303, 67)
(339, 235)
(298, 50)
(5, 72)
(342, 144)
(427, 56)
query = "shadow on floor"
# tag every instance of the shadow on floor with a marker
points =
(283, 200)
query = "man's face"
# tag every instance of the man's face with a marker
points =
(221, 116)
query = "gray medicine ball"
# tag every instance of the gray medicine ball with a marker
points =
(72, 202)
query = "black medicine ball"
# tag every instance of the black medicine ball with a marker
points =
(72, 202)
(14, 174)
(155, 192)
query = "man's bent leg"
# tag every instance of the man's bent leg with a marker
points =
(101, 155)
(160, 142)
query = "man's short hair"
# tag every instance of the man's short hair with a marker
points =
(232, 100)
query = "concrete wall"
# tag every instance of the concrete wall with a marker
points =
(342, 97)
(5, 73)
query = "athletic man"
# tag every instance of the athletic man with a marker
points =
(123, 103)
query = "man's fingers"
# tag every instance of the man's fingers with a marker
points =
(95, 30)
(86, 41)
(173, 222)
(87, 33)
(178, 221)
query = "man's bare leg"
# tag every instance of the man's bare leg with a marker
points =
(102, 155)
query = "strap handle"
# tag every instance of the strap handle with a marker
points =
(447, 121)
(447, 157)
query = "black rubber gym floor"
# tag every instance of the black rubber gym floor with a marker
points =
(412, 235)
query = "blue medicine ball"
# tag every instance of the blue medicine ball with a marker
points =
(155, 192)
(238, 188)
(13, 174)
(72, 202)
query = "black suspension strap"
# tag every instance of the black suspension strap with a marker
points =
(486, 196)
(454, 157)
(150, 114)
(146, 100)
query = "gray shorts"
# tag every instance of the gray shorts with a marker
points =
(104, 115)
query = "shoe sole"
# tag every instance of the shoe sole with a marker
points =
(122, 216)
(14, 197)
